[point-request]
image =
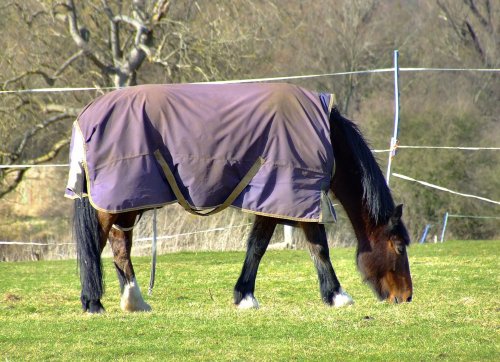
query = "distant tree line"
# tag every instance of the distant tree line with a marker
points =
(113, 43)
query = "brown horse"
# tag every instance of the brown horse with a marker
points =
(357, 183)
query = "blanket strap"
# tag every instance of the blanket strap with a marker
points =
(206, 212)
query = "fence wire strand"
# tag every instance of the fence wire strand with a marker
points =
(270, 79)
(428, 184)
(266, 79)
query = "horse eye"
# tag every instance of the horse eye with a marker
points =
(400, 249)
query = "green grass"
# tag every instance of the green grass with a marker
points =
(454, 314)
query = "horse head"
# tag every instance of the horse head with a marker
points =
(384, 262)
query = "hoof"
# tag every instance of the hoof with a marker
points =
(249, 302)
(93, 307)
(135, 307)
(132, 300)
(342, 299)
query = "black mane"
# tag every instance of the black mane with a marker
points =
(376, 194)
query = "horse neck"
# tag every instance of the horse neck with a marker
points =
(347, 187)
(358, 182)
(356, 211)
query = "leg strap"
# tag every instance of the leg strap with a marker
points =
(118, 227)
(206, 212)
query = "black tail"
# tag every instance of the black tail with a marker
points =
(86, 232)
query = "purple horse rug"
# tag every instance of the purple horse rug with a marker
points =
(263, 148)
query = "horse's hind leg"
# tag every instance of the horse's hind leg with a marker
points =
(121, 244)
(331, 291)
(259, 238)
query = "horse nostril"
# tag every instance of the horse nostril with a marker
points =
(408, 299)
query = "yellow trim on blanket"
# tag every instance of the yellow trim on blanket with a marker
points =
(155, 206)
(333, 102)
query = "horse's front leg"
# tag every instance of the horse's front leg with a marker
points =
(331, 291)
(262, 231)
(120, 238)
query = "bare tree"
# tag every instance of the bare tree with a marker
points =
(338, 38)
(475, 25)
(352, 25)
(107, 43)
(130, 35)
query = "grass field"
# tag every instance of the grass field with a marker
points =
(454, 314)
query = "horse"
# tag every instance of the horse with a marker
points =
(342, 164)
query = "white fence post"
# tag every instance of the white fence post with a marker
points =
(394, 138)
(288, 235)
(445, 222)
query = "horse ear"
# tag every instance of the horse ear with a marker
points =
(398, 211)
(396, 215)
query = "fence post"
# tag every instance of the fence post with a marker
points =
(288, 235)
(445, 222)
(394, 138)
(424, 234)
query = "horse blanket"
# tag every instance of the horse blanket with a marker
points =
(267, 145)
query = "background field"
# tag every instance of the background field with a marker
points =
(454, 315)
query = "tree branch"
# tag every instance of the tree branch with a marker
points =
(12, 185)
(50, 155)
(476, 12)
(475, 40)
(32, 132)
(47, 78)
(139, 26)
(450, 18)
(64, 110)
(160, 10)
(80, 41)
(114, 33)
(67, 63)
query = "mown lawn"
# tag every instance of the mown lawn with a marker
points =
(454, 314)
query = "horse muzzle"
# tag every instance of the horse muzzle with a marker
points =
(397, 299)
